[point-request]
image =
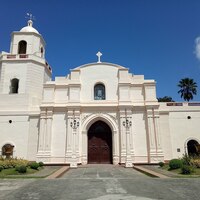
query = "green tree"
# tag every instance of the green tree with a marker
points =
(165, 99)
(188, 88)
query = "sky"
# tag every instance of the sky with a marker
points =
(159, 39)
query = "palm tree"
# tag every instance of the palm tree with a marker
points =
(188, 88)
(165, 99)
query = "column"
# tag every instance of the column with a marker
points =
(115, 148)
(155, 150)
(42, 131)
(84, 147)
(48, 132)
(68, 154)
(73, 163)
(128, 162)
(127, 124)
(74, 124)
(41, 134)
(122, 135)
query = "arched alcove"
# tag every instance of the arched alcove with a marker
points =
(99, 92)
(193, 147)
(14, 86)
(22, 47)
(7, 150)
(42, 52)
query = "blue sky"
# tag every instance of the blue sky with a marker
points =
(155, 38)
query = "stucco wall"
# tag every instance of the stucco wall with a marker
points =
(177, 129)
(99, 74)
(15, 133)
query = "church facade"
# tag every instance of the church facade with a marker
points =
(99, 113)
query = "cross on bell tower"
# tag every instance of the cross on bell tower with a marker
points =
(99, 54)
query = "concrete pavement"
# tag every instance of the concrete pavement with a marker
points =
(101, 182)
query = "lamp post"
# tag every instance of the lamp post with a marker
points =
(74, 125)
(127, 124)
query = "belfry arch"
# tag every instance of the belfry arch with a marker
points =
(111, 123)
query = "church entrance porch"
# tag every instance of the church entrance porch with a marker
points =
(99, 143)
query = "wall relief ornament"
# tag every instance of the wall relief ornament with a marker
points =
(100, 114)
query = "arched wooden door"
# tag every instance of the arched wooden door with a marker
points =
(99, 143)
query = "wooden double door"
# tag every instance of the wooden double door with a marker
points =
(99, 143)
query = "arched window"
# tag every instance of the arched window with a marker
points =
(99, 92)
(42, 52)
(7, 150)
(22, 47)
(193, 148)
(14, 86)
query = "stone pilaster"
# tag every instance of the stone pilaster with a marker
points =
(115, 148)
(48, 131)
(44, 149)
(68, 154)
(84, 150)
(122, 133)
(154, 142)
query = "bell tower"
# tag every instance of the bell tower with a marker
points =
(28, 41)
(24, 69)
(23, 72)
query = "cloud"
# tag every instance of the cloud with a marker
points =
(197, 47)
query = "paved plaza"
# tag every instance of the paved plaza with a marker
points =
(100, 182)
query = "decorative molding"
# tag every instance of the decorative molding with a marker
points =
(100, 114)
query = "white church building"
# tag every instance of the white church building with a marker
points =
(99, 113)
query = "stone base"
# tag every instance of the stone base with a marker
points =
(73, 165)
(128, 164)
(156, 157)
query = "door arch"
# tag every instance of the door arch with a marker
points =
(193, 147)
(99, 143)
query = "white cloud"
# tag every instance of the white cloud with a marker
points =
(197, 47)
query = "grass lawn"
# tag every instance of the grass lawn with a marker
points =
(11, 171)
(195, 171)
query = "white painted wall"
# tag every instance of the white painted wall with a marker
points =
(59, 137)
(139, 136)
(15, 133)
(99, 73)
(33, 137)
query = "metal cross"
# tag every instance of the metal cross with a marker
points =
(30, 16)
(99, 54)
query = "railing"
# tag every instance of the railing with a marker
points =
(25, 56)
(47, 65)
(174, 104)
(193, 104)
(183, 104)
(13, 56)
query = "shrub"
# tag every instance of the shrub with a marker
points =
(195, 162)
(34, 165)
(175, 164)
(12, 163)
(41, 164)
(186, 159)
(161, 164)
(17, 168)
(22, 169)
(1, 168)
(185, 169)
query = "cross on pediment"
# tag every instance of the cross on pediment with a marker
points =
(99, 54)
